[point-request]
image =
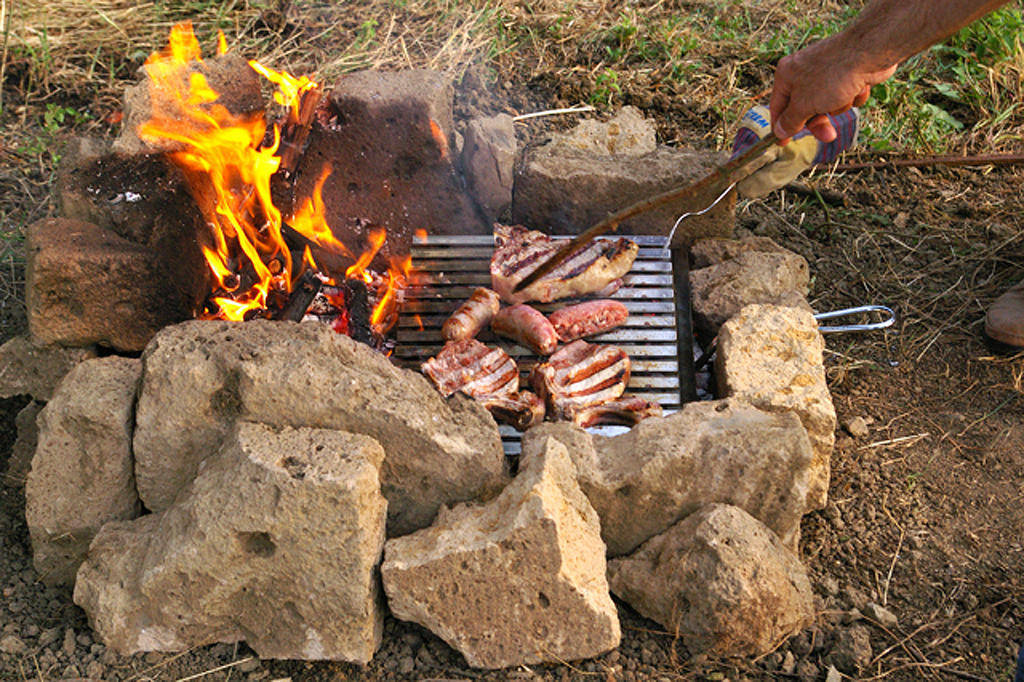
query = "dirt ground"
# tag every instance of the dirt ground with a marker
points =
(926, 512)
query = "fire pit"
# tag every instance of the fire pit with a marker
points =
(231, 435)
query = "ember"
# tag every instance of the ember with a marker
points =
(263, 265)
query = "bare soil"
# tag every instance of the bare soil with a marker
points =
(926, 512)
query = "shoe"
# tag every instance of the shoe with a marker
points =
(1005, 320)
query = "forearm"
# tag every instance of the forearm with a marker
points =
(886, 32)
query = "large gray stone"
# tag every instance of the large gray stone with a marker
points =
(35, 369)
(201, 377)
(644, 481)
(81, 475)
(489, 156)
(516, 581)
(276, 542)
(772, 357)
(719, 579)
(580, 177)
(720, 291)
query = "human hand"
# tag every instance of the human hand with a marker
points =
(824, 78)
(782, 164)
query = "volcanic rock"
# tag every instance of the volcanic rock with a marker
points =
(720, 579)
(713, 251)
(86, 285)
(24, 447)
(516, 581)
(720, 291)
(276, 542)
(772, 358)
(580, 177)
(488, 156)
(664, 469)
(201, 377)
(81, 474)
(35, 369)
(387, 139)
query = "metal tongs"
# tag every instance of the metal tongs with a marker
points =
(888, 321)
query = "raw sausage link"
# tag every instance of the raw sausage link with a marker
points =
(527, 326)
(588, 318)
(471, 316)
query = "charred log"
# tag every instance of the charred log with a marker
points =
(302, 295)
(358, 304)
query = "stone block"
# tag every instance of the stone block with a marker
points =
(86, 285)
(772, 358)
(721, 580)
(31, 368)
(516, 581)
(664, 469)
(488, 157)
(714, 251)
(81, 475)
(201, 377)
(275, 542)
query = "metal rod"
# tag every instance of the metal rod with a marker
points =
(684, 324)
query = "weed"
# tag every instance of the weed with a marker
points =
(606, 87)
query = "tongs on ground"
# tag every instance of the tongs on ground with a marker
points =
(887, 321)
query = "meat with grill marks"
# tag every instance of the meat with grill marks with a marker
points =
(488, 375)
(519, 251)
(580, 375)
(626, 410)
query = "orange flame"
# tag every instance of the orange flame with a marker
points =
(229, 168)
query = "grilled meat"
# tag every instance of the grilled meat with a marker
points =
(487, 375)
(587, 319)
(519, 251)
(471, 316)
(580, 375)
(526, 326)
(626, 410)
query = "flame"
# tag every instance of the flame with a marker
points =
(229, 167)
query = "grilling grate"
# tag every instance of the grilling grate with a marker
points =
(453, 266)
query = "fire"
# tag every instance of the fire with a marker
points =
(229, 164)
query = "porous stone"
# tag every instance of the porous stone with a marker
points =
(664, 469)
(81, 475)
(720, 579)
(229, 75)
(852, 649)
(202, 376)
(772, 357)
(387, 138)
(275, 542)
(580, 177)
(31, 368)
(86, 285)
(720, 291)
(488, 157)
(24, 447)
(713, 251)
(518, 580)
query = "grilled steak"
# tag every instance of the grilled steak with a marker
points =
(626, 410)
(471, 316)
(587, 319)
(519, 251)
(487, 375)
(580, 375)
(526, 326)
(473, 368)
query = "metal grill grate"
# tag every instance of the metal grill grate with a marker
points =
(455, 265)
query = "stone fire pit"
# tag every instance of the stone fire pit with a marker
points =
(278, 483)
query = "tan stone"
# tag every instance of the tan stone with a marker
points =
(35, 369)
(720, 291)
(202, 377)
(518, 580)
(713, 251)
(772, 357)
(644, 481)
(721, 580)
(275, 542)
(81, 475)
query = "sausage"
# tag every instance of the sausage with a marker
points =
(472, 316)
(527, 326)
(587, 318)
